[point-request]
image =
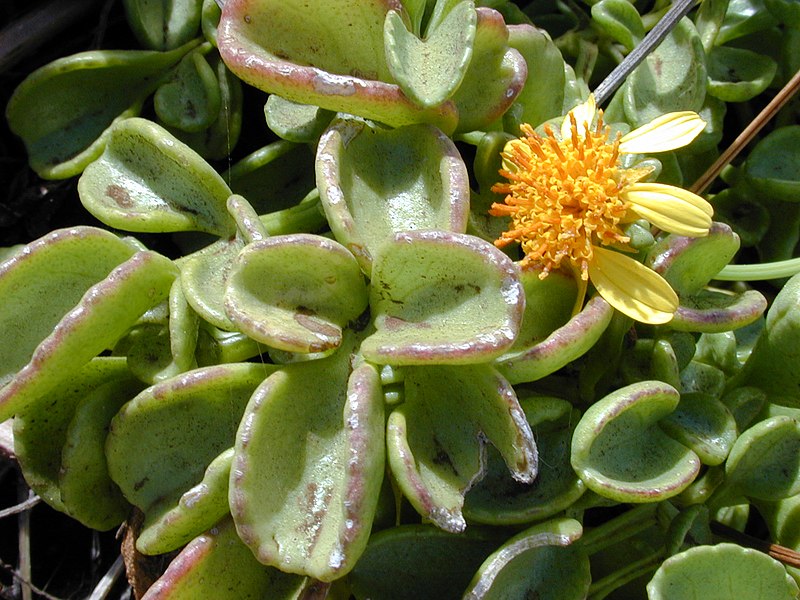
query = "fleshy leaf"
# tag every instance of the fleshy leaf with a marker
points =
(712, 572)
(703, 424)
(184, 423)
(495, 77)
(301, 123)
(197, 510)
(44, 280)
(203, 277)
(620, 20)
(191, 100)
(672, 77)
(440, 297)
(425, 551)
(772, 365)
(376, 182)
(295, 292)
(763, 462)
(41, 434)
(164, 24)
(737, 75)
(106, 311)
(537, 563)
(63, 110)
(500, 500)
(542, 97)
(772, 167)
(325, 62)
(562, 346)
(221, 555)
(147, 180)
(620, 452)
(436, 438)
(429, 70)
(711, 311)
(688, 264)
(308, 466)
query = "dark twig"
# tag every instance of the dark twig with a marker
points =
(780, 553)
(749, 132)
(677, 11)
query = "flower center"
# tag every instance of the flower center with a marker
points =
(563, 196)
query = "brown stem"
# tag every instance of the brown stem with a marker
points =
(778, 102)
(780, 553)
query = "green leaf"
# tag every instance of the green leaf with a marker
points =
(162, 441)
(40, 435)
(672, 77)
(542, 97)
(560, 347)
(498, 499)
(714, 572)
(772, 167)
(103, 315)
(440, 297)
(375, 182)
(737, 75)
(703, 424)
(418, 561)
(308, 465)
(620, 20)
(220, 555)
(63, 110)
(336, 60)
(44, 280)
(192, 99)
(688, 264)
(146, 180)
(301, 123)
(620, 452)
(435, 438)
(772, 365)
(295, 292)
(537, 563)
(197, 510)
(495, 77)
(164, 24)
(763, 462)
(429, 70)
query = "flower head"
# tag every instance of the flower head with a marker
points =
(569, 198)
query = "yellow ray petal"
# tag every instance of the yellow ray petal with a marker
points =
(670, 208)
(667, 132)
(584, 113)
(632, 288)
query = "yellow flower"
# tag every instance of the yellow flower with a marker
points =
(569, 197)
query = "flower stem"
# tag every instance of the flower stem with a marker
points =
(760, 272)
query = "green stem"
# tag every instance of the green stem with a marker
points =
(760, 272)
(304, 217)
(603, 587)
(619, 528)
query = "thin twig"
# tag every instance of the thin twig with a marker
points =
(103, 588)
(780, 553)
(677, 11)
(749, 132)
(21, 507)
(8, 568)
(24, 545)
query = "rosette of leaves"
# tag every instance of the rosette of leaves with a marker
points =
(303, 438)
